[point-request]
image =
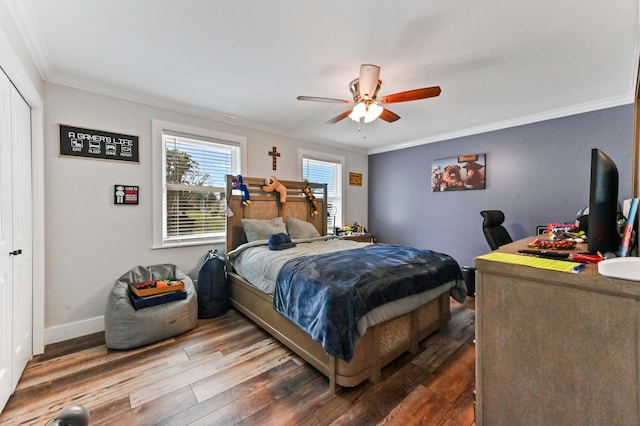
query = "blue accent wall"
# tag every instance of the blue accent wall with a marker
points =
(536, 173)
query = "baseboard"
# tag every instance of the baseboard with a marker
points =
(72, 330)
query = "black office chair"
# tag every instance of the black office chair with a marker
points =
(494, 232)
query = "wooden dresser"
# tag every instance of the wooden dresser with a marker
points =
(555, 348)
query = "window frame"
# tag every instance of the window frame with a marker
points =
(159, 128)
(328, 158)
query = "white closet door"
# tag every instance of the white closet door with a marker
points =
(22, 235)
(16, 239)
(6, 237)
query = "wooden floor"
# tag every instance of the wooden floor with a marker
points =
(227, 371)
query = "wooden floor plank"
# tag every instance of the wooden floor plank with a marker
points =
(451, 383)
(382, 397)
(73, 363)
(335, 407)
(56, 350)
(220, 342)
(414, 411)
(291, 381)
(153, 411)
(241, 409)
(193, 372)
(241, 369)
(294, 407)
(91, 393)
(109, 409)
(228, 371)
(455, 374)
(228, 397)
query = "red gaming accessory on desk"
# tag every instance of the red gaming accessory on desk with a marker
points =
(573, 257)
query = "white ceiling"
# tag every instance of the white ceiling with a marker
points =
(498, 62)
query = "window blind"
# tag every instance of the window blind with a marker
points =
(321, 171)
(195, 173)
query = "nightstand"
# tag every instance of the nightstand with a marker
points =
(361, 238)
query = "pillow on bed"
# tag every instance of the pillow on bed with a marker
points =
(298, 228)
(257, 229)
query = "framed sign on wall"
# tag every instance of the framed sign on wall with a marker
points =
(88, 143)
(125, 194)
(355, 179)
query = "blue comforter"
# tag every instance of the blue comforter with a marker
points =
(326, 294)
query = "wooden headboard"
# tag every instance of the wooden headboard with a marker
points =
(266, 205)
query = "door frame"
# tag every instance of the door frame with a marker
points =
(11, 64)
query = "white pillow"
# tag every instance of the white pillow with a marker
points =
(258, 229)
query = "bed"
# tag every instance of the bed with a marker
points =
(382, 334)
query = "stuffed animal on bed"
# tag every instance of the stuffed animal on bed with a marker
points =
(242, 187)
(273, 184)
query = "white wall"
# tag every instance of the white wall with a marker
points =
(90, 242)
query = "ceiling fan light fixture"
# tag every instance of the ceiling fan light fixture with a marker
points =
(369, 112)
(372, 113)
(358, 111)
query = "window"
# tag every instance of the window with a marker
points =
(192, 169)
(321, 168)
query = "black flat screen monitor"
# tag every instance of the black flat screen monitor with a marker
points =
(603, 204)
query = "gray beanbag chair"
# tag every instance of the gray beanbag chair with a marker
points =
(126, 328)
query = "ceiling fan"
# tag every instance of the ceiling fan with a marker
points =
(367, 106)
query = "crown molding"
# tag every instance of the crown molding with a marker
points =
(30, 32)
(519, 121)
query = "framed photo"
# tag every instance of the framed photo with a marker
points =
(355, 179)
(458, 173)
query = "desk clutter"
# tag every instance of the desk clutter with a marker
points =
(564, 250)
(552, 245)
(534, 261)
(155, 292)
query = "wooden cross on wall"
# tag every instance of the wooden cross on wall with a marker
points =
(275, 154)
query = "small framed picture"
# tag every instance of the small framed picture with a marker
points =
(355, 179)
(125, 194)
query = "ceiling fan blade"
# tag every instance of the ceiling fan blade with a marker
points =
(411, 95)
(339, 117)
(368, 81)
(389, 116)
(317, 99)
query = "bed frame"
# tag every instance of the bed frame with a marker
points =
(379, 346)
